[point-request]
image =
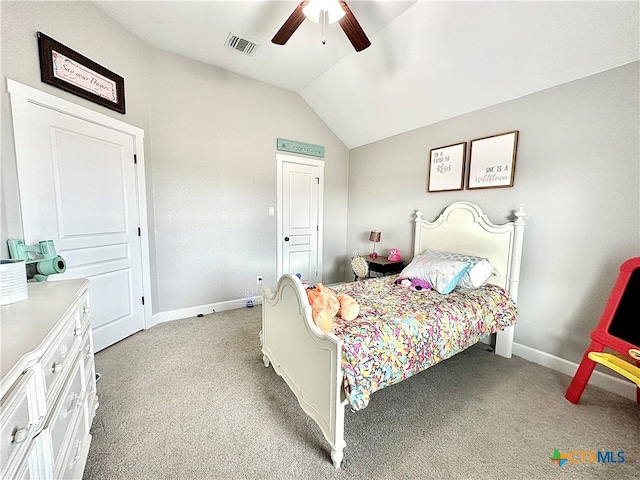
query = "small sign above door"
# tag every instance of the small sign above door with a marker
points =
(299, 147)
(70, 71)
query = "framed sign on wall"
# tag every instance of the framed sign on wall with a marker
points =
(70, 71)
(292, 146)
(492, 161)
(446, 168)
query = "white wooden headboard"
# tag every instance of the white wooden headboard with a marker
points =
(463, 228)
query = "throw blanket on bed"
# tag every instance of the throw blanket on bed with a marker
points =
(401, 332)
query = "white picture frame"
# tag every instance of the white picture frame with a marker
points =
(446, 168)
(492, 161)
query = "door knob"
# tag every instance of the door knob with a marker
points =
(286, 239)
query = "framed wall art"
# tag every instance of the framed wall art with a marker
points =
(292, 146)
(70, 71)
(446, 168)
(492, 161)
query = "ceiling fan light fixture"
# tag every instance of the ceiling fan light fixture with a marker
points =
(333, 8)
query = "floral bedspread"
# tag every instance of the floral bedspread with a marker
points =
(401, 332)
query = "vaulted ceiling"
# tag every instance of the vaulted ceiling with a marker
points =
(428, 60)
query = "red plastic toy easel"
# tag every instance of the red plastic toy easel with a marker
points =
(618, 330)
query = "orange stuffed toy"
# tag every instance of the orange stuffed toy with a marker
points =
(325, 305)
(349, 308)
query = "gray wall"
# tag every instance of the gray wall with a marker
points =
(213, 138)
(210, 145)
(577, 176)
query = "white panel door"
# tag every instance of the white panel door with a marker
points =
(300, 218)
(77, 184)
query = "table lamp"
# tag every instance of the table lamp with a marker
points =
(374, 237)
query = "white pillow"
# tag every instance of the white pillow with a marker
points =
(442, 274)
(479, 272)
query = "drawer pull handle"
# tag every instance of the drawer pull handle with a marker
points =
(77, 457)
(77, 331)
(86, 311)
(20, 435)
(57, 367)
(75, 398)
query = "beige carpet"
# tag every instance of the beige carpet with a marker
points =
(191, 399)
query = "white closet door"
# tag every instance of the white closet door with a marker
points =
(77, 183)
(300, 218)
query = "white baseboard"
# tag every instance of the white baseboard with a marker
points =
(202, 310)
(607, 382)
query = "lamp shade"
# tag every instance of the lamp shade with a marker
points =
(374, 236)
(332, 7)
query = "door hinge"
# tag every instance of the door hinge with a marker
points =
(143, 300)
(135, 158)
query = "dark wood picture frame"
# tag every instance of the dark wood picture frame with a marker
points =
(68, 70)
(447, 167)
(492, 161)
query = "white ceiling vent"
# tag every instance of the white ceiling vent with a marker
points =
(241, 44)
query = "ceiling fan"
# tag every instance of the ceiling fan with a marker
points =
(329, 10)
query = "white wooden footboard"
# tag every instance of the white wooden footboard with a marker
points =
(306, 358)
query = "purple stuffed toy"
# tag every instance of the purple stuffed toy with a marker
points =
(413, 284)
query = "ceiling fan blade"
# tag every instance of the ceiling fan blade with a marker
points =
(352, 29)
(290, 25)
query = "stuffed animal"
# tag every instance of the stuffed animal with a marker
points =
(324, 320)
(349, 308)
(394, 255)
(325, 305)
(322, 298)
(413, 284)
(418, 285)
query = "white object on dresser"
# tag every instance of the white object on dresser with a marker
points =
(13, 281)
(47, 387)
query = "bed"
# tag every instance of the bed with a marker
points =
(318, 367)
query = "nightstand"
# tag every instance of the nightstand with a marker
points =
(384, 266)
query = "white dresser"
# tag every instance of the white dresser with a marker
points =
(47, 387)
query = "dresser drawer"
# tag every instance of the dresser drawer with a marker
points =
(78, 448)
(18, 422)
(57, 359)
(91, 403)
(65, 413)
